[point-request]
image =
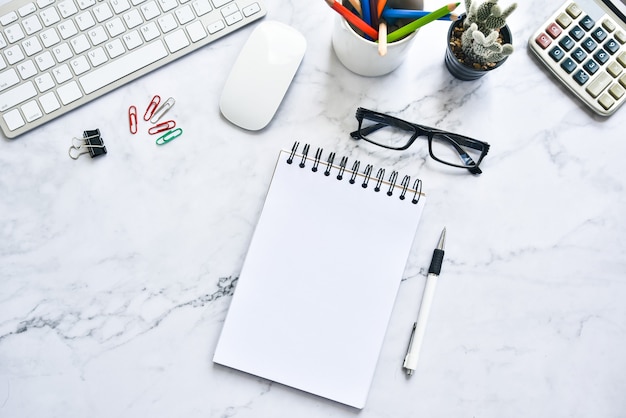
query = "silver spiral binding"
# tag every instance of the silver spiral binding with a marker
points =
(404, 185)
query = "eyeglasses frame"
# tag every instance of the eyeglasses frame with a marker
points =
(456, 140)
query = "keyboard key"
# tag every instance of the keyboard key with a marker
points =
(115, 48)
(132, 40)
(150, 31)
(62, 73)
(233, 18)
(79, 65)
(14, 33)
(115, 27)
(184, 14)
(69, 92)
(8, 18)
(201, 7)
(27, 9)
(150, 10)
(44, 82)
(80, 43)
(98, 56)
(133, 19)
(120, 6)
(196, 31)
(49, 102)
(32, 25)
(8, 79)
(62, 52)
(98, 35)
(13, 119)
(14, 54)
(85, 21)
(32, 46)
(45, 61)
(50, 37)
(176, 40)
(129, 63)
(27, 69)
(67, 29)
(67, 8)
(252, 9)
(218, 26)
(50, 16)
(167, 23)
(31, 111)
(83, 4)
(17, 95)
(167, 5)
(102, 12)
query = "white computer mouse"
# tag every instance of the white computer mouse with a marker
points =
(262, 74)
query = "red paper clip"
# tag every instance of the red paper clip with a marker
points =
(132, 119)
(162, 127)
(152, 107)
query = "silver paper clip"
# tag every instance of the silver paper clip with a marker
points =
(91, 143)
(162, 110)
(169, 136)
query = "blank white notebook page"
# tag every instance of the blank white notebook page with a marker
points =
(319, 281)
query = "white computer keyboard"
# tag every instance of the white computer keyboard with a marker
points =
(56, 55)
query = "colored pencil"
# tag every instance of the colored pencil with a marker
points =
(373, 13)
(353, 19)
(367, 14)
(382, 39)
(357, 6)
(391, 14)
(381, 7)
(416, 24)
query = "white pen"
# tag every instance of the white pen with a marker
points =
(419, 327)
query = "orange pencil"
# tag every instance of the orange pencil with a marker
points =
(381, 7)
(353, 19)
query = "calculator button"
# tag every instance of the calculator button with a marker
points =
(599, 34)
(608, 25)
(543, 40)
(556, 53)
(611, 46)
(606, 101)
(622, 80)
(601, 56)
(577, 33)
(579, 55)
(567, 43)
(587, 23)
(568, 65)
(614, 69)
(621, 58)
(553, 30)
(598, 85)
(564, 20)
(581, 77)
(573, 10)
(591, 66)
(589, 45)
(617, 91)
(621, 37)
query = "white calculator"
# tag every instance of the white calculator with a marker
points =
(583, 44)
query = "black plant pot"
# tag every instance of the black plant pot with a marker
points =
(462, 71)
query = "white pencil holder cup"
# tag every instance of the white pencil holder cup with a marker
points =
(361, 56)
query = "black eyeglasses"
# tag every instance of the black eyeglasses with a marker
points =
(446, 147)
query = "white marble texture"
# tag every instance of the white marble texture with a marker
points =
(116, 273)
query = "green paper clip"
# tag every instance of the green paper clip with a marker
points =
(168, 136)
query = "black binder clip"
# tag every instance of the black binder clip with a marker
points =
(91, 143)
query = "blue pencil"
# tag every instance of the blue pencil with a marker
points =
(365, 8)
(391, 14)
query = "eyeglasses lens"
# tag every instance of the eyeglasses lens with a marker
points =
(395, 134)
(446, 149)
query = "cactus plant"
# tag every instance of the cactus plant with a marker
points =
(479, 44)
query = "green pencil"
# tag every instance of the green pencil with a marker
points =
(416, 24)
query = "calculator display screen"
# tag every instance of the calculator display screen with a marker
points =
(618, 7)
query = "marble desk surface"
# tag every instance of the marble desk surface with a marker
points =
(116, 273)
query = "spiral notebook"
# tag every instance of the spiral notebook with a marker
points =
(321, 274)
